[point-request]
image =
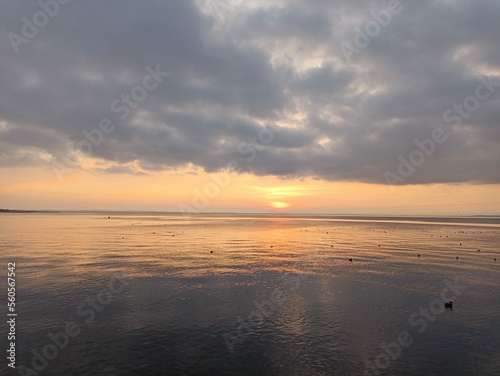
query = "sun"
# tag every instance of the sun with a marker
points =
(279, 204)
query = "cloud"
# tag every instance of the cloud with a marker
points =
(345, 120)
(120, 170)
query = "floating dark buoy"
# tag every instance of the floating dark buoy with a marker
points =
(272, 246)
(457, 257)
(331, 246)
(109, 217)
(479, 250)
(495, 259)
(211, 251)
(154, 232)
(379, 245)
(418, 255)
(350, 259)
(448, 304)
(460, 243)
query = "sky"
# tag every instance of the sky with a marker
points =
(338, 106)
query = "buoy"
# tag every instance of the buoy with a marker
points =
(350, 259)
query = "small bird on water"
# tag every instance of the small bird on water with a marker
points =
(350, 259)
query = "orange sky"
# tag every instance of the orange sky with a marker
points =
(194, 190)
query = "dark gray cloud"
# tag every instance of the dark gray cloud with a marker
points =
(231, 69)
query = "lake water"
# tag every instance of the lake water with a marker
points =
(155, 294)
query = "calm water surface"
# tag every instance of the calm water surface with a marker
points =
(187, 303)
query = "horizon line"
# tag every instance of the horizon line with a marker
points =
(55, 211)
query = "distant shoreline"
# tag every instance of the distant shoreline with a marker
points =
(28, 211)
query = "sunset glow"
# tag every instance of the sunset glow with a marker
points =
(86, 190)
(279, 205)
